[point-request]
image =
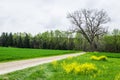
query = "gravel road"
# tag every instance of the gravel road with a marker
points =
(8, 67)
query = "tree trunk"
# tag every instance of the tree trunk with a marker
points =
(93, 46)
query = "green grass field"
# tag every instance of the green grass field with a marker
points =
(9, 54)
(105, 70)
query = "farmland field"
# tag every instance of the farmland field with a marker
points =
(9, 54)
(68, 69)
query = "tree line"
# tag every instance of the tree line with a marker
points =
(62, 40)
(89, 34)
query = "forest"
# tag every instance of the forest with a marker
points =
(61, 40)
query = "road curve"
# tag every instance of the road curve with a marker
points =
(8, 67)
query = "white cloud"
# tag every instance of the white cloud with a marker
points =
(36, 16)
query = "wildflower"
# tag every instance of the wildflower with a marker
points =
(86, 68)
(103, 58)
(67, 67)
(79, 68)
(99, 58)
(94, 58)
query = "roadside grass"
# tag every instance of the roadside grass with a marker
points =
(10, 54)
(106, 70)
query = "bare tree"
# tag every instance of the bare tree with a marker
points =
(90, 23)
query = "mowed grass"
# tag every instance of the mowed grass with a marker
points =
(106, 70)
(9, 54)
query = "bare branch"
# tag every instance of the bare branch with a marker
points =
(89, 23)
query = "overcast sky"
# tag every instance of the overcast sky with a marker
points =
(36, 16)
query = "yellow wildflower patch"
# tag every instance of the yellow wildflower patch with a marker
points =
(79, 68)
(68, 67)
(85, 68)
(99, 58)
